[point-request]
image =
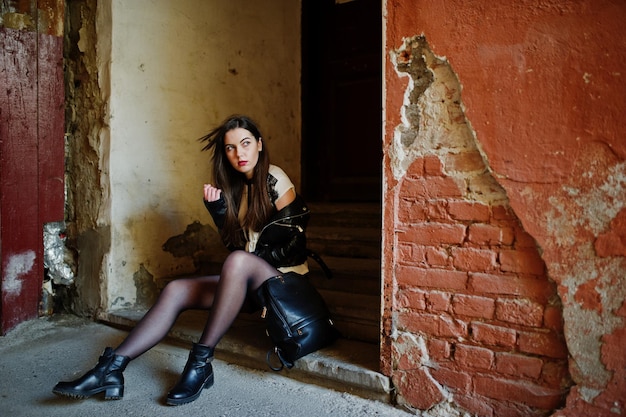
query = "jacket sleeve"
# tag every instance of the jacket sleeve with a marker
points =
(290, 250)
(217, 209)
(283, 241)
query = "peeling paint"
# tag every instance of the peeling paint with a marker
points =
(587, 209)
(199, 242)
(591, 208)
(613, 241)
(434, 122)
(17, 21)
(147, 290)
(17, 266)
(50, 16)
(556, 144)
(435, 141)
(584, 327)
(87, 193)
(597, 206)
(408, 62)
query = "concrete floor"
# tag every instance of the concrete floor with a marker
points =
(40, 352)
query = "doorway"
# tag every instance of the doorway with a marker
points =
(342, 100)
(342, 157)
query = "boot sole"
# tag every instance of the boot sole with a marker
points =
(110, 393)
(180, 401)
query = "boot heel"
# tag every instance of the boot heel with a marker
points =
(105, 376)
(209, 382)
(114, 393)
(197, 375)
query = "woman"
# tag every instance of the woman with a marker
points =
(248, 196)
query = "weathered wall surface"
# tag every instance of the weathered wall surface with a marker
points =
(474, 321)
(31, 149)
(470, 315)
(177, 70)
(87, 141)
(155, 76)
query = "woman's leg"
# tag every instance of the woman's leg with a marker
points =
(106, 376)
(224, 295)
(177, 296)
(242, 272)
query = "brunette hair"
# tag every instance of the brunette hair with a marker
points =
(232, 182)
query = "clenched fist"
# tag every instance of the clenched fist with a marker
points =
(211, 193)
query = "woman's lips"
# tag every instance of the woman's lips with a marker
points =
(242, 163)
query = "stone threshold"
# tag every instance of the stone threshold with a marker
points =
(346, 366)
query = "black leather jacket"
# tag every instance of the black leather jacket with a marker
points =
(282, 242)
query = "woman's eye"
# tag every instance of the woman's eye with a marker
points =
(229, 148)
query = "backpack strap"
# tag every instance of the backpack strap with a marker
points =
(283, 362)
(322, 264)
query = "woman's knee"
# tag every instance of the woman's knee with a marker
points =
(175, 289)
(246, 266)
(238, 258)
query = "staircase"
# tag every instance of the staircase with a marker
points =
(348, 238)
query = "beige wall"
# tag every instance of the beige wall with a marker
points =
(176, 70)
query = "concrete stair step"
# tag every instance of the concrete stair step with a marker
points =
(341, 234)
(355, 315)
(347, 366)
(364, 215)
(347, 230)
(352, 295)
(344, 241)
(353, 275)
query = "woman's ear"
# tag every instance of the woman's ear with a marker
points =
(260, 144)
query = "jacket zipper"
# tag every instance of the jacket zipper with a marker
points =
(278, 222)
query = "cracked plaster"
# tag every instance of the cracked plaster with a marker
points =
(555, 144)
(433, 121)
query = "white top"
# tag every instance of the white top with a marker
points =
(279, 184)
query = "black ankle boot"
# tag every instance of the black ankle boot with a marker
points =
(198, 374)
(105, 376)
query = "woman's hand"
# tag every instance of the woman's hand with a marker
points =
(211, 193)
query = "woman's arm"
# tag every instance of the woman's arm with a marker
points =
(285, 199)
(216, 205)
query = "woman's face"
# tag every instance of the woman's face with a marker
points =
(242, 150)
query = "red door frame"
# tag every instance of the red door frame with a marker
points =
(31, 153)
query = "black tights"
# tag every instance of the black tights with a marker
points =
(224, 295)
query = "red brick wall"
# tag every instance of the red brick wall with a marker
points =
(472, 283)
(501, 201)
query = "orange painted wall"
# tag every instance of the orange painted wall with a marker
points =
(543, 90)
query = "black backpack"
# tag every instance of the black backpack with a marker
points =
(297, 318)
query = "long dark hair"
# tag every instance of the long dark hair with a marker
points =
(232, 182)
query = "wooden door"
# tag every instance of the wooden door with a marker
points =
(342, 100)
(31, 148)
